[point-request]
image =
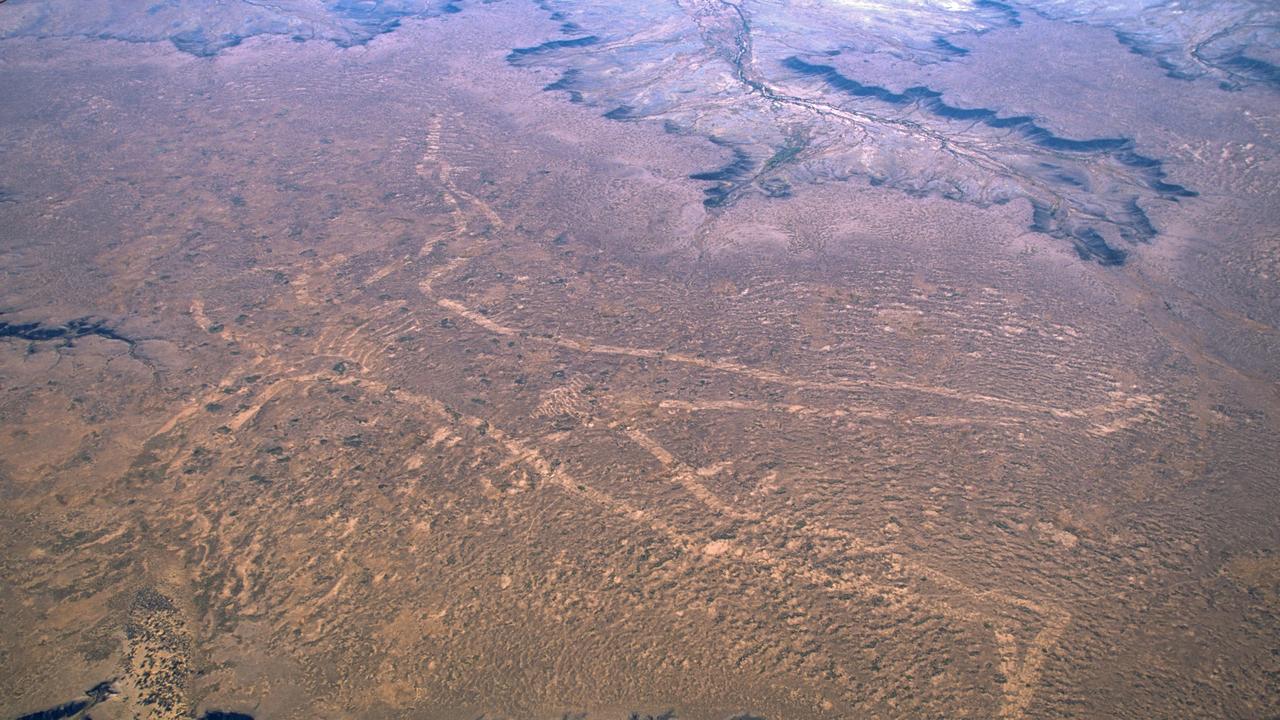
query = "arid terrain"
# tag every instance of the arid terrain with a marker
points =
(593, 360)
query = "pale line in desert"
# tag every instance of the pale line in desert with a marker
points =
(1018, 685)
(691, 544)
(265, 397)
(768, 376)
(865, 413)
(1020, 680)
(1146, 409)
(687, 477)
(435, 154)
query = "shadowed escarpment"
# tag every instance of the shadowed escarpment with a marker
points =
(1188, 39)
(930, 101)
(78, 707)
(946, 46)
(205, 29)
(1011, 15)
(727, 177)
(1065, 173)
(1252, 68)
(566, 83)
(551, 45)
(65, 710)
(749, 91)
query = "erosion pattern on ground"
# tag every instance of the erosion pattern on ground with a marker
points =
(786, 103)
(776, 83)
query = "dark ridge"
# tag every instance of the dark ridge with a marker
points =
(1235, 63)
(1041, 218)
(1090, 245)
(1136, 225)
(1172, 189)
(1138, 47)
(955, 113)
(39, 332)
(622, 112)
(566, 82)
(65, 710)
(101, 691)
(1132, 222)
(1003, 8)
(728, 178)
(570, 28)
(1064, 175)
(519, 53)
(374, 18)
(225, 715)
(1047, 139)
(930, 101)
(1009, 122)
(1253, 68)
(717, 196)
(371, 18)
(96, 694)
(945, 46)
(853, 87)
(195, 42)
(1155, 173)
